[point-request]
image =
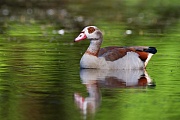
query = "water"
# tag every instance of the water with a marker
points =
(40, 76)
(41, 79)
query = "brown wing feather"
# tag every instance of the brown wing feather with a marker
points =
(142, 55)
(113, 53)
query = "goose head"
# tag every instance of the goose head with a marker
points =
(89, 32)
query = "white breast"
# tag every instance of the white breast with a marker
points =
(89, 61)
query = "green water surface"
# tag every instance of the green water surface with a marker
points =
(39, 68)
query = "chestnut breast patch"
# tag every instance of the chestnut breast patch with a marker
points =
(91, 30)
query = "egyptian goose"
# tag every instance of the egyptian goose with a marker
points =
(113, 57)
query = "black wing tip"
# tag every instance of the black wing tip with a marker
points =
(152, 50)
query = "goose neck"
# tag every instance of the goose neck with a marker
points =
(94, 47)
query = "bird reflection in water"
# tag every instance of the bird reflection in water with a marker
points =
(93, 79)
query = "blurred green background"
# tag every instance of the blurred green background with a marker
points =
(39, 62)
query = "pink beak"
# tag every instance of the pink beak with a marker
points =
(81, 36)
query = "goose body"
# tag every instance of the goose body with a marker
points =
(113, 57)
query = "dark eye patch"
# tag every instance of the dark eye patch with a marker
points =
(91, 30)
